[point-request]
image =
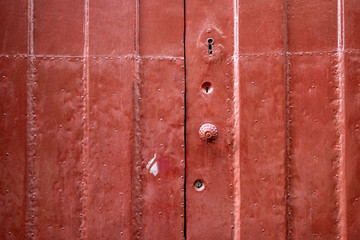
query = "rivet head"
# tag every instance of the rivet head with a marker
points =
(208, 132)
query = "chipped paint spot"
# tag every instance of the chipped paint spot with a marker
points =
(154, 168)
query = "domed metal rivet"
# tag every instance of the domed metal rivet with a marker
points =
(208, 132)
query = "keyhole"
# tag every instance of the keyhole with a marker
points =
(210, 43)
(207, 87)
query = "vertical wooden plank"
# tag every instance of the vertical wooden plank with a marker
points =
(57, 109)
(13, 27)
(58, 139)
(313, 198)
(352, 140)
(161, 28)
(160, 86)
(209, 208)
(312, 25)
(315, 118)
(13, 101)
(260, 26)
(352, 117)
(262, 149)
(110, 148)
(112, 27)
(351, 20)
(111, 119)
(58, 27)
(262, 120)
(162, 148)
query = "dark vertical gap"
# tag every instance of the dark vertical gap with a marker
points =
(287, 125)
(185, 143)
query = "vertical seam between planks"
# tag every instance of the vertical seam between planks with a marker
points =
(340, 122)
(236, 116)
(85, 125)
(185, 108)
(287, 125)
(30, 131)
(136, 178)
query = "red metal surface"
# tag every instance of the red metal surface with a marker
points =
(13, 146)
(262, 117)
(95, 142)
(315, 156)
(13, 124)
(100, 104)
(351, 64)
(209, 210)
(352, 85)
(159, 127)
(110, 119)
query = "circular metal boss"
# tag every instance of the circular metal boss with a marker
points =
(208, 132)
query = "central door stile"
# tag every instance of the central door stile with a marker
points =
(209, 120)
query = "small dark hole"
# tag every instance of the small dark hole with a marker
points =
(207, 89)
(198, 184)
(210, 40)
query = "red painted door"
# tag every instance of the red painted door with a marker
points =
(158, 119)
(92, 124)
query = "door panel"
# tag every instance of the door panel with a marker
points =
(351, 66)
(13, 122)
(96, 76)
(260, 26)
(13, 107)
(312, 106)
(262, 119)
(111, 27)
(159, 165)
(109, 162)
(58, 133)
(58, 27)
(13, 25)
(109, 152)
(262, 148)
(315, 136)
(161, 28)
(161, 196)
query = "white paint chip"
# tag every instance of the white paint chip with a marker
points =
(154, 169)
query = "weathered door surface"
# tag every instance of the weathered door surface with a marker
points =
(157, 119)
